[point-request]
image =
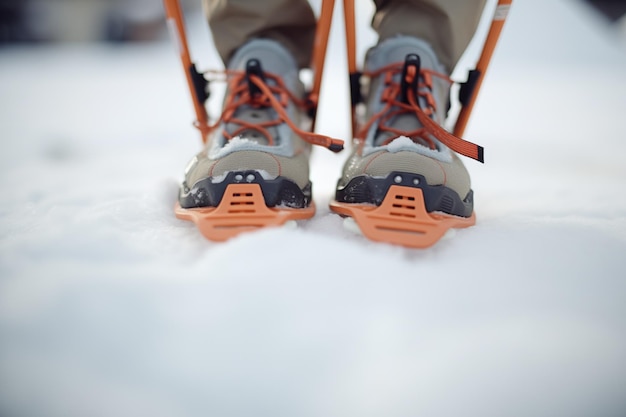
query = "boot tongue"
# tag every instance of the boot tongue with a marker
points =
(258, 57)
(395, 50)
(273, 57)
(408, 81)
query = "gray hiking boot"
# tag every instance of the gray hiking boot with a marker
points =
(404, 183)
(254, 169)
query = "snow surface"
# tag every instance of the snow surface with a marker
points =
(110, 306)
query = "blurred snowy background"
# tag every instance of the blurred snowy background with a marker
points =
(110, 306)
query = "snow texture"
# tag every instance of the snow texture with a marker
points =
(110, 306)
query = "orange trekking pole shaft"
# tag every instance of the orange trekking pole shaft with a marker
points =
(321, 43)
(355, 89)
(322, 32)
(196, 82)
(469, 90)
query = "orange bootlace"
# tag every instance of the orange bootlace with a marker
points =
(277, 96)
(394, 106)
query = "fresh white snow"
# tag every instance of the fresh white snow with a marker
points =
(110, 306)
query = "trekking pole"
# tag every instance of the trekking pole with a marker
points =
(196, 81)
(469, 89)
(322, 32)
(319, 52)
(354, 74)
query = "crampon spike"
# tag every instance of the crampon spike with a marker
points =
(402, 219)
(242, 209)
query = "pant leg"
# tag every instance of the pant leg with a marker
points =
(290, 22)
(448, 25)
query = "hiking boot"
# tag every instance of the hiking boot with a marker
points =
(404, 183)
(254, 169)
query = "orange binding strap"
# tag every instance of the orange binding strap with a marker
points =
(402, 219)
(242, 209)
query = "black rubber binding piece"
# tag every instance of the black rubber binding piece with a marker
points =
(467, 88)
(200, 84)
(276, 192)
(369, 190)
(356, 97)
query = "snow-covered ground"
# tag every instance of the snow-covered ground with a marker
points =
(110, 306)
